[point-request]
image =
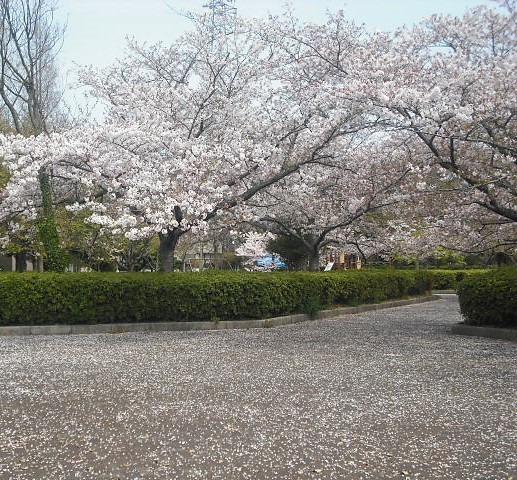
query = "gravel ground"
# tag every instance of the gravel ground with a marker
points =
(381, 395)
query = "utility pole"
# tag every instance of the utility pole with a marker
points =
(221, 11)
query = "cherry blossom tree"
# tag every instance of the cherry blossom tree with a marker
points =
(451, 82)
(322, 205)
(194, 130)
(176, 125)
(320, 132)
(163, 147)
(255, 244)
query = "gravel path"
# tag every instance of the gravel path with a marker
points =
(381, 395)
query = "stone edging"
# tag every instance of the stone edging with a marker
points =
(186, 326)
(488, 332)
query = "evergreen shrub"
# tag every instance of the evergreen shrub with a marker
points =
(490, 299)
(450, 279)
(91, 298)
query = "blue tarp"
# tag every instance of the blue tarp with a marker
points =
(269, 261)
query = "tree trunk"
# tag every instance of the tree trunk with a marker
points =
(168, 243)
(21, 261)
(56, 257)
(314, 259)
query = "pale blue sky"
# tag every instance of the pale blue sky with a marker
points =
(97, 29)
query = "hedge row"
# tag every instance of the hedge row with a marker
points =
(450, 279)
(90, 298)
(490, 299)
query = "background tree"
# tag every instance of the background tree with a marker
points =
(29, 43)
(451, 82)
(291, 250)
(322, 205)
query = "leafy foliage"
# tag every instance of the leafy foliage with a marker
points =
(450, 279)
(291, 249)
(490, 299)
(57, 257)
(4, 176)
(51, 298)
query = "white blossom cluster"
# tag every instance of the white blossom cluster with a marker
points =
(324, 132)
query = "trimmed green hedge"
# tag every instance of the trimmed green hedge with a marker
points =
(90, 298)
(490, 299)
(450, 279)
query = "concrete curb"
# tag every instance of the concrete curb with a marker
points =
(488, 332)
(187, 326)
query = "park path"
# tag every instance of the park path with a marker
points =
(388, 394)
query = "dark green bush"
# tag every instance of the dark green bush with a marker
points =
(450, 279)
(490, 299)
(90, 298)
